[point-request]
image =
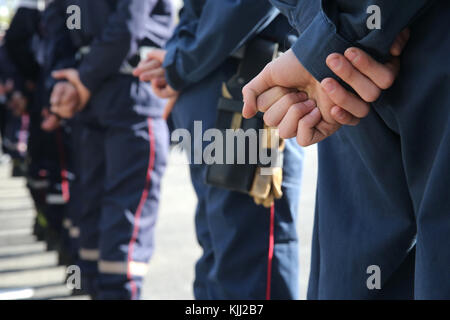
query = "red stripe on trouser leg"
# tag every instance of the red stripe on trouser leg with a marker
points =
(137, 216)
(271, 248)
(62, 162)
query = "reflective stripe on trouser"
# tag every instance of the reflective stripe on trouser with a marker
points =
(232, 230)
(123, 162)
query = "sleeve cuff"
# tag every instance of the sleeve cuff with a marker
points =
(88, 80)
(316, 43)
(172, 76)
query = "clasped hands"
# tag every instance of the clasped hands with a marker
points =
(300, 106)
(69, 96)
(293, 100)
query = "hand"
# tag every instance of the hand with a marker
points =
(72, 76)
(336, 107)
(51, 122)
(7, 87)
(18, 103)
(65, 100)
(163, 90)
(151, 70)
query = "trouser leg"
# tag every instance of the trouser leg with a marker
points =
(92, 174)
(135, 161)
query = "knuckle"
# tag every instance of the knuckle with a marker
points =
(340, 96)
(269, 120)
(283, 133)
(290, 99)
(327, 129)
(301, 140)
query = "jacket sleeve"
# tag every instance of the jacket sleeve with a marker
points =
(201, 43)
(120, 36)
(340, 24)
(18, 41)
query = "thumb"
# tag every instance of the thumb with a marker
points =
(156, 54)
(61, 74)
(253, 89)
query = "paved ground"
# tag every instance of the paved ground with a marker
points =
(27, 270)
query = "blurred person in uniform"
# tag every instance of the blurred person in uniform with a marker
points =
(32, 42)
(123, 140)
(249, 240)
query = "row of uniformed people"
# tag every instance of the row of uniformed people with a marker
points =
(250, 251)
(108, 208)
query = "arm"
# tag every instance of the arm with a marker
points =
(341, 24)
(18, 41)
(108, 51)
(202, 43)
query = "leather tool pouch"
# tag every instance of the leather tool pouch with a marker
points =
(237, 175)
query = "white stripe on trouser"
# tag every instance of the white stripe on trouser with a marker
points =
(55, 199)
(89, 254)
(67, 223)
(38, 184)
(74, 232)
(138, 269)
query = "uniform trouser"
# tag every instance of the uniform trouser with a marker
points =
(46, 157)
(383, 212)
(70, 222)
(232, 230)
(123, 157)
(15, 135)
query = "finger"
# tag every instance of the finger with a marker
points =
(365, 87)
(60, 74)
(379, 73)
(343, 117)
(57, 93)
(55, 109)
(150, 75)
(166, 93)
(159, 82)
(156, 54)
(50, 123)
(68, 96)
(146, 66)
(277, 112)
(400, 42)
(345, 99)
(289, 124)
(158, 91)
(306, 133)
(393, 67)
(253, 89)
(265, 100)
